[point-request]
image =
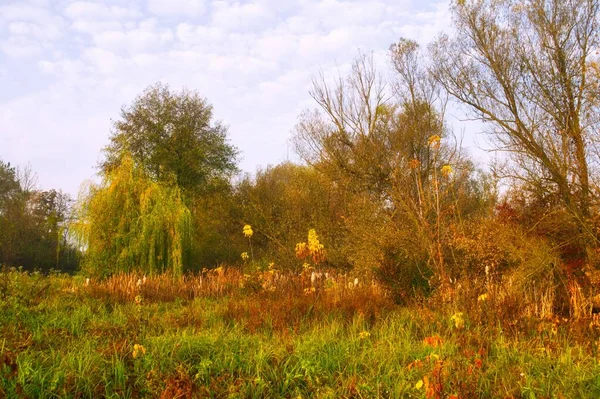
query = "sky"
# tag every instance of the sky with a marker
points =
(68, 67)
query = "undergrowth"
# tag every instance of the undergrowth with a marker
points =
(223, 334)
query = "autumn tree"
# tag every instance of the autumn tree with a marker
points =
(33, 223)
(528, 68)
(283, 202)
(386, 143)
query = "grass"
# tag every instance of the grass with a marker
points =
(226, 335)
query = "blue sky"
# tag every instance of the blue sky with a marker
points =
(67, 67)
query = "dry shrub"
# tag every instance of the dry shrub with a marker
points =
(282, 311)
(521, 273)
(178, 385)
(125, 287)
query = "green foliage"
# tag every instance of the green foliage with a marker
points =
(169, 134)
(130, 222)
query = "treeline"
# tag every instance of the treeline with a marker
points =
(34, 223)
(385, 184)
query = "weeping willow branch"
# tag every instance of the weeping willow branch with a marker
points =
(130, 223)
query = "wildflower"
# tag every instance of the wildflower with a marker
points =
(314, 246)
(87, 281)
(248, 231)
(482, 298)
(138, 299)
(419, 384)
(245, 256)
(364, 334)
(138, 351)
(308, 291)
(434, 341)
(301, 250)
(414, 164)
(446, 170)
(458, 320)
(434, 141)
(418, 363)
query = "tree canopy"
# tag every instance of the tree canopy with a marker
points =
(172, 137)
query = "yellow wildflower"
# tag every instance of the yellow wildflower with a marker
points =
(434, 141)
(138, 351)
(482, 298)
(248, 231)
(301, 250)
(138, 299)
(446, 170)
(364, 334)
(245, 256)
(459, 321)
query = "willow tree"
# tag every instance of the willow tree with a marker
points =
(132, 223)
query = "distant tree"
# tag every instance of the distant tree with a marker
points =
(529, 68)
(9, 184)
(11, 200)
(172, 134)
(33, 223)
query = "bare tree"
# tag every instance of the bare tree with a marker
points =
(527, 68)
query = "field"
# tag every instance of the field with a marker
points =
(223, 334)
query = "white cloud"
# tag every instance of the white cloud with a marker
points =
(239, 17)
(20, 47)
(147, 34)
(177, 8)
(90, 10)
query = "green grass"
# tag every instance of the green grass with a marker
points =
(58, 343)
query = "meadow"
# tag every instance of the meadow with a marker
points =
(267, 334)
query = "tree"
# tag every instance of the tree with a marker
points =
(172, 134)
(33, 223)
(282, 203)
(529, 69)
(131, 222)
(392, 154)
